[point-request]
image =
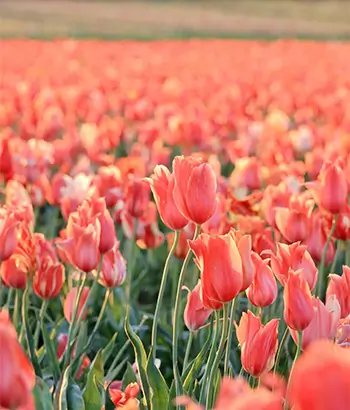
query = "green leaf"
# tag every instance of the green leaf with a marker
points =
(193, 368)
(51, 353)
(75, 399)
(108, 350)
(113, 373)
(91, 394)
(61, 393)
(42, 395)
(141, 359)
(129, 376)
(82, 338)
(172, 395)
(159, 396)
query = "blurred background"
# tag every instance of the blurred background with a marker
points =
(152, 19)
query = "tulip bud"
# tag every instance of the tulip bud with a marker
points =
(48, 279)
(113, 271)
(298, 303)
(8, 233)
(196, 314)
(136, 197)
(70, 301)
(340, 287)
(14, 272)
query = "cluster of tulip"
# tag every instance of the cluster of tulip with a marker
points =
(255, 215)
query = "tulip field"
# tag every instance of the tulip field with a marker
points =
(174, 225)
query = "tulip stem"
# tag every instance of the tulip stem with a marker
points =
(319, 289)
(161, 294)
(188, 351)
(208, 366)
(100, 316)
(38, 325)
(72, 324)
(218, 356)
(297, 354)
(229, 337)
(16, 311)
(280, 347)
(131, 262)
(177, 317)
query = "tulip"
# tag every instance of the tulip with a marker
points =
(48, 279)
(108, 183)
(293, 257)
(340, 287)
(162, 185)
(323, 324)
(313, 384)
(136, 197)
(298, 302)
(342, 225)
(331, 189)
(258, 343)
(182, 245)
(70, 301)
(6, 161)
(274, 196)
(221, 269)
(8, 233)
(263, 290)
(195, 188)
(113, 270)
(195, 314)
(343, 332)
(126, 399)
(17, 377)
(14, 272)
(247, 174)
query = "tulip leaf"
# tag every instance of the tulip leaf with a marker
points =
(42, 395)
(60, 402)
(129, 376)
(91, 394)
(172, 395)
(114, 373)
(159, 392)
(107, 351)
(141, 359)
(51, 353)
(82, 338)
(75, 399)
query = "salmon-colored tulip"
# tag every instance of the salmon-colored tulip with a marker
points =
(8, 233)
(195, 188)
(298, 302)
(125, 399)
(293, 257)
(195, 314)
(343, 332)
(340, 287)
(258, 343)
(17, 377)
(113, 270)
(263, 290)
(324, 323)
(220, 264)
(48, 279)
(218, 223)
(247, 174)
(136, 197)
(162, 184)
(70, 301)
(109, 182)
(182, 245)
(320, 379)
(14, 272)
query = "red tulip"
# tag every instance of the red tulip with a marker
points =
(247, 174)
(48, 279)
(258, 343)
(162, 185)
(126, 399)
(113, 270)
(218, 223)
(14, 272)
(244, 245)
(8, 233)
(70, 301)
(136, 197)
(313, 385)
(220, 264)
(298, 302)
(195, 188)
(17, 377)
(109, 182)
(340, 287)
(195, 314)
(263, 290)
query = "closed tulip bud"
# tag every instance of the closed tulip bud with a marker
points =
(195, 188)
(340, 287)
(331, 189)
(313, 384)
(70, 302)
(113, 271)
(263, 290)
(8, 233)
(323, 324)
(14, 272)
(221, 269)
(196, 314)
(293, 257)
(298, 303)
(48, 279)
(258, 343)
(136, 197)
(16, 371)
(162, 185)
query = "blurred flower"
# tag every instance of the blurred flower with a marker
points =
(340, 287)
(113, 271)
(8, 233)
(195, 314)
(70, 302)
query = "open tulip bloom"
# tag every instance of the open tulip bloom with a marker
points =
(174, 225)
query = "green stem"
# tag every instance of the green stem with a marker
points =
(9, 299)
(177, 317)
(208, 366)
(280, 347)
(297, 354)
(336, 257)
(347, 253)
(131, 263)
(100, 317)
(319, 288)
(161, 294)
(218, 356)
(188, 351)
(38, 325)
(16, 311)
(229, 337)
(73, 324)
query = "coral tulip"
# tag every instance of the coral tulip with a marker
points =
(113, 270)
(136, 197)
(8, 233)
(14, 272)
(195, 314)
(70, 301)
(258, 343)
(195, 188)
(48, 278)
(340, 287)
